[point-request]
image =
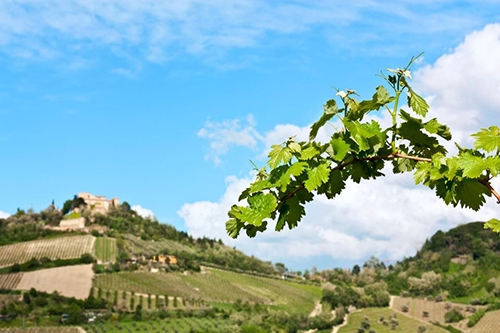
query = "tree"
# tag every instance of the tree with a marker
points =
(359, 150)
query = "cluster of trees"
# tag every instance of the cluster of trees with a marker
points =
(36, 305)
(34, 263)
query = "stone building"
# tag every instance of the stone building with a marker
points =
(97, 203)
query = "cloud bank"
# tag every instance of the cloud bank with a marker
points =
(144, 212)
(4, 215)
(390, 217)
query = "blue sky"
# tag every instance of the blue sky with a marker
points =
(163, 104)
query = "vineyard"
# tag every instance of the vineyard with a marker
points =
(41, 330)
(405, 323)
(105, 249)
(434, 311)
(56, 248)
(10, 281)
(489, 323)
(136, 245)
(128, 301)
(215, 286)
(179, 325)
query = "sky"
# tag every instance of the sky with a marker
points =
(164, 103)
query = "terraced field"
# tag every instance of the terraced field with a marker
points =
(54, 248)
(406, 324)
(105, 249)
(215, 286)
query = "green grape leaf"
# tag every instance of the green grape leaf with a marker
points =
(294, 170)
(340, 148)
(252, 230)
(417, 103)
(334, 186)
(290, 212)
(233, 228)
(317, 176)
(411, 131)
(366, 135)
(470, 193)
(330, 110)
(260, 185)
(493, 164)
(434, 127)
(380, 98)
(493, 224)
(422, 173)
(488, 139)
(261, 206)
(309, 152)
(473, 166)
(279, 154)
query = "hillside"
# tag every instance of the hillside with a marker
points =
(462, 265)
(140, 269)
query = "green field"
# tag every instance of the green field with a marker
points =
(216, 286)
(105, 249)
(406, 324)
(41, 330)
(178, 325)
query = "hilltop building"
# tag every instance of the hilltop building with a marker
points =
(98, 204)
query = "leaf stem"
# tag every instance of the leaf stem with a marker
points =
(486, 183)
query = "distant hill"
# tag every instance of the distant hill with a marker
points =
(462, 264)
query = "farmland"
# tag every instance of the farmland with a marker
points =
(54, 248)
(105, 249)
(179, 325)
(69, 281)
(216, 286)
(42, 330)
(136, 245)
(10, 281)
(406, 324)
(435, 310)
(489, 323)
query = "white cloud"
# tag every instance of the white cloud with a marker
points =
(463, 86)
(225, 134)
(144, 212)
(389, 217)
(4, 215)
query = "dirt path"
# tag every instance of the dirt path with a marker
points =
(336, 328)
(391, 302)
(316, 311)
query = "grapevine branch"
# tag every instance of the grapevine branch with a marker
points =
(484, 182)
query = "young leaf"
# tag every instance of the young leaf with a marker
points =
(488, 139)
(279, 154)
(340, 148)
(294, 170)
(434, 127)
(330, 110)
(493, 224)
(260, 207)
(317, 176)
(334, 186)
(473, 166)
(417, 103)
(309, 152)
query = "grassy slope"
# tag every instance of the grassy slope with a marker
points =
(406, 324)
(216, 286)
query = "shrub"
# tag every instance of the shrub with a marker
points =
(421, 329)
(453, 316)
(473, 320)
